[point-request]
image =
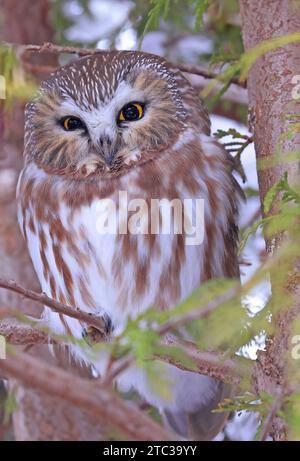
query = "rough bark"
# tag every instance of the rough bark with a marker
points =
(270, 89)
(270, 85)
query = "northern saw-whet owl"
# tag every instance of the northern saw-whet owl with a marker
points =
(127, 121)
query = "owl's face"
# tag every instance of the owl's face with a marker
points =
(103, 114)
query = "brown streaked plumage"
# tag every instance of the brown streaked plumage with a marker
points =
(162, 151)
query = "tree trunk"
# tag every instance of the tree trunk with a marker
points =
(270, 83)
(270, 90)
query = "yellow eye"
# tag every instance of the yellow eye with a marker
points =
(71, 123)
(131, 112)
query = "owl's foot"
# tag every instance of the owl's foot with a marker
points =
(93, 336)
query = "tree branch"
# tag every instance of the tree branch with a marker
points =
(205, 363)
(97, 400)
(196, 314)
(235, 93)
(22, 335)
(275, 407)
(89, 319)
(99, 323)
(52, 48)
(205, 72)
(210, 363)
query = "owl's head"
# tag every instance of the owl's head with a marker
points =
(105, 113)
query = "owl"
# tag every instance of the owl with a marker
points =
(129, 124)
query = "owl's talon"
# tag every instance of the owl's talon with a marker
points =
(108, 324)
(93, 336)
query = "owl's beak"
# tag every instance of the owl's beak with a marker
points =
(109, 160)
(107, 150)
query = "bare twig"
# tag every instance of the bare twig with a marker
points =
(89, 319)
(114, 413)
(210, 363)
(99, 323)
(52, 48)
(196, 314)
(235, 93)
(205, 72)
(116, 369)
(252, 218)
(205, 363)
(268, 422)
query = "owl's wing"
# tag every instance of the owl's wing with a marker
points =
(202, 423)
